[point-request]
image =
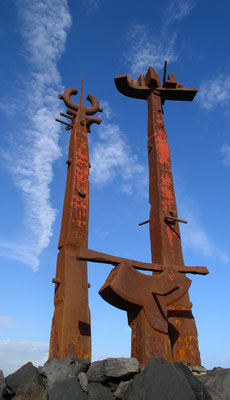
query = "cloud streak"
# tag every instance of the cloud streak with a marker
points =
(6, 322)
(179, 9)
(225, 150)
(194, 235)
(44, 27)
(14, 355)
(214, 92)
(91, 5)
(147, 48)
(111, 156)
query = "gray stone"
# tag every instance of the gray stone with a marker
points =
(95, 372)
(121, 367)
(29, 392)
(199, 369)
(96, 391)
(113, 368)
(219, 380)
(27, 374)
(56, 369)
(197, 386)
(119, 393)
(2, 385)
(66, 389)
(83, 380)
(214, 395)
(113, 385)
(159, 380)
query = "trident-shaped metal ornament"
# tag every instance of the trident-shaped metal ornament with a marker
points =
(70, 334)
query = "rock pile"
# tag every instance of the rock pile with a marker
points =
(115, 378)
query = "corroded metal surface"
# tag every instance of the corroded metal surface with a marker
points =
(150, 302)
(173, 333)
(154, 293)
(70, 334)
(158, 306)
(98, 257)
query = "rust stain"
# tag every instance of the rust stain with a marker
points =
(181, 340)
(71, 306)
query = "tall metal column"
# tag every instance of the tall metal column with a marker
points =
(181, 341)
(71, 334)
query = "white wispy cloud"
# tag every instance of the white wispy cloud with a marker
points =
(147, 49)
(14, 355)
(178, 9)
(91, 5)
(107, 111)
(214, 92)
(6, 321)
(112, 156)
(194, 235)
(225, 150)
(44, 27)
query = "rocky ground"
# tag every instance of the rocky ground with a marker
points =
(115, 378)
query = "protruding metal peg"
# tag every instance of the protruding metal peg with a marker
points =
(164, 76)
(144, 222)
(66, 116)
(56, 281)
(64, 123)
(171, 220)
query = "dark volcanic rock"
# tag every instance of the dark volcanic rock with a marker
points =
(214, 395)
(197, 386)
(55, 369)
(219, 380)
(96, 391)
(115, 378)
(26, 375)
(119, 393)
(29, 392)
(159, 380)
(2, 384)
(112, 369)
(66, 389)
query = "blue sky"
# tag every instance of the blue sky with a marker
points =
(48, 46)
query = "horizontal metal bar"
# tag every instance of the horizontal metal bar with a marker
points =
(96, 256)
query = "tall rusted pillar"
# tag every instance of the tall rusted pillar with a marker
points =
(181, 339)
(164, 235)
(70, 334)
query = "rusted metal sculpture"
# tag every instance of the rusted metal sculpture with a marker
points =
(70, 332)
(158, 306)
(180, 339)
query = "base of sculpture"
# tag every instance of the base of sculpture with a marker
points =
(70, 332)
(111, 378)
